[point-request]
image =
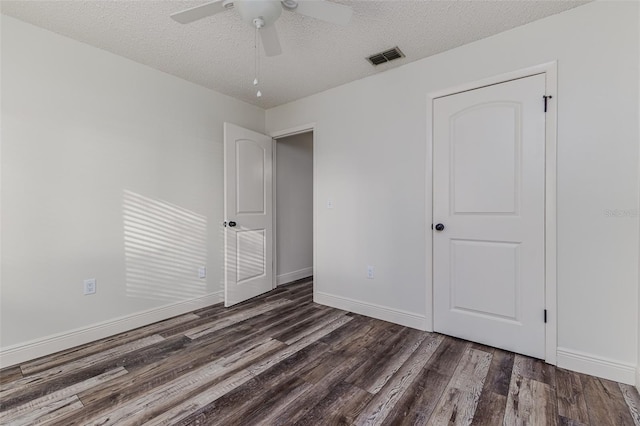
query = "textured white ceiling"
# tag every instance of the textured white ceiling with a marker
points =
(217, 52)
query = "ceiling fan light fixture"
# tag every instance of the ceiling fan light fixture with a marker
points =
(290, 4)
(267, 10)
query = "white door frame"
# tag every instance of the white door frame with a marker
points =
(291, 131)
(550, 70)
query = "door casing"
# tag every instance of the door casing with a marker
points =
(550, 71)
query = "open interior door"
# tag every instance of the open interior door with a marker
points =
(248, 234)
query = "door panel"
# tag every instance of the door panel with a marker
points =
(473, 285)
(250, 254)
(488, 261)
(250, 177)
(248, 244)
(485, 183)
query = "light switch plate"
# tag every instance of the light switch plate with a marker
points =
(89, 286)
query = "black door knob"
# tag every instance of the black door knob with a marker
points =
(232, 224)
(439, 227)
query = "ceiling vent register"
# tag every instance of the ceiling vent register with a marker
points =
(386, 56)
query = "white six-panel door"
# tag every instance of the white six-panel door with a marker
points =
(248, 234)
(489, 195)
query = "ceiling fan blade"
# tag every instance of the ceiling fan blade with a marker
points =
(198, 12)
(325, 11)
(270, 40)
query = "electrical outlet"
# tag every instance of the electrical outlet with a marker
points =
(202, 272)
(89, 286)
(329, 204)
(370, 272)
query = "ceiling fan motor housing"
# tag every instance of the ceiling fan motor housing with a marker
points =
(268, 10)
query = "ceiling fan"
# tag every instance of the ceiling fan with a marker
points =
(262, 14)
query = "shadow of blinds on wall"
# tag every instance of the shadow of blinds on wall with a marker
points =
(164, 247)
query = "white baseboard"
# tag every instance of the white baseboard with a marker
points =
(294, 276)
(638, 378)
(395, 316)
(597, 366)
(58, 342)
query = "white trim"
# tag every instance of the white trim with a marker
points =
(638, 378)
(550, 245)
(294, 276)
(303, 128)
(274, 213)
(597, 366)
(396, 316)
(57, 342)
(496, 79)
(550, 70)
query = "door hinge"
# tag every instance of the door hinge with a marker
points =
(546, 99)
(545, 316)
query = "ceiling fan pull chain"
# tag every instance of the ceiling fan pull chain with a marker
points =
(256, 61)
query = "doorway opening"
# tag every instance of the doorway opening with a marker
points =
(293, 207)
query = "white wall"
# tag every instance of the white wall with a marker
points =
(112, 170)
(371, 159)
(294, 207)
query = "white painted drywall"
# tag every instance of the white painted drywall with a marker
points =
(110, 170)
(371, 160)
(294, 207)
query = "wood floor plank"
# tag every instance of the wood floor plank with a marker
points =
(378, 353)
(47, 413)
(373, 380)
(381, 405)
(130, 361)
(177, 413)
(632, 399)
(9, 375)
(261, 366)
(119, 392)
(226, 407)
(605, 402)
(141, 410)
(448, 355)
(60, 370)
(351, 332)
(226, 321)
(49, 403)
(268, 401)
(571, 403)
(417, 403)
(530, 402)
(499, 376)
(490, 410)
(155, 372)
(280, 319)
(301, 407)
(313, 323)
(563, 421)
(344, 346)
(460, 399)
(339, 407)
(535, 369)
(493, 399)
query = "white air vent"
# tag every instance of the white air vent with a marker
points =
(386, 56)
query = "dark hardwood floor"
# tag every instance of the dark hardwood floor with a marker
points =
(281, 359)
